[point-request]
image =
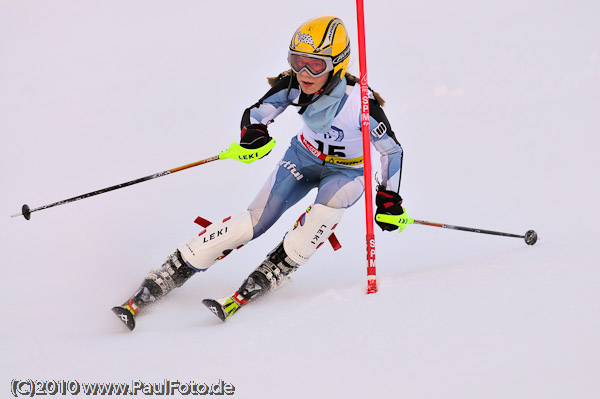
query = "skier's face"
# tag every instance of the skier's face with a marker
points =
(310, 85)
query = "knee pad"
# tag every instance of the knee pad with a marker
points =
(311, 230)
(217, 241)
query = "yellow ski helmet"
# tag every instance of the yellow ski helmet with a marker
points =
(321, 45)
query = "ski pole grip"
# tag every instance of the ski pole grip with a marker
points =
(398, 220)
(247, 155)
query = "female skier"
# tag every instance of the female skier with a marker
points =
(326, 153)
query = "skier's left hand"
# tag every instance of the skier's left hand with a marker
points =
(254, 136)
(388, 203)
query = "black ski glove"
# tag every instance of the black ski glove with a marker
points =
(254, 136)
(388, 203)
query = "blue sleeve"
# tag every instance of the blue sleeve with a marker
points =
(385, 142)
(271, 104)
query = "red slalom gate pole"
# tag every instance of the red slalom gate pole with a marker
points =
(366, 132)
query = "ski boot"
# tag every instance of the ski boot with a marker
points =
(267, 277)
(158, 283)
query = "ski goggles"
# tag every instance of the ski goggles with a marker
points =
(315, 65)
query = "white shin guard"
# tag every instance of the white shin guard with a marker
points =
(217, 241)
(312, 229)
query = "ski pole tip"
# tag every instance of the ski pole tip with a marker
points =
(531, 237)
(25, 212)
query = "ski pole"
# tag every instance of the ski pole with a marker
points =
(235, 151)
(402, 221)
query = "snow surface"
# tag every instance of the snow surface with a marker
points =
(496, 104)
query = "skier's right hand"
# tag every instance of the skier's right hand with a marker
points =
(254, 136)
(388, 203)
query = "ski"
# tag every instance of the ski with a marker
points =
(223, 308)
(125, 315)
